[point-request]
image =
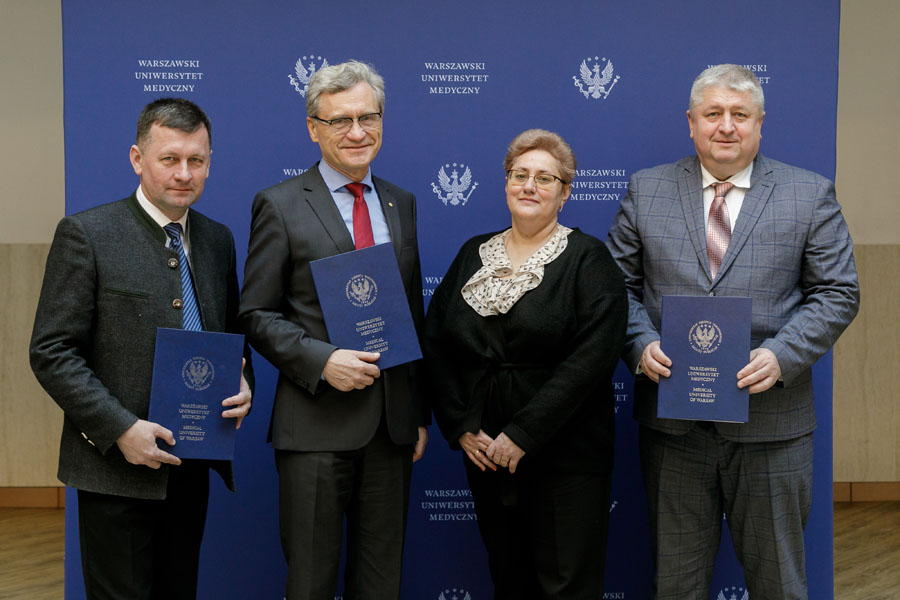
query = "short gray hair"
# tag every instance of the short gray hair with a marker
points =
(337, 78)
(733, 77)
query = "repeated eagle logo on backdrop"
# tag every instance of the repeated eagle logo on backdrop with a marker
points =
(595, 80)
(304, 71)
(455, 185)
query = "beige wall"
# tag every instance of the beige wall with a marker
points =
(31, 109)
(867, 377)
(868, 129)
(867, 423)
(33, 195)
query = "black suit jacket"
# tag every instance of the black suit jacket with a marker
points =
(107, 287)
(293, 223)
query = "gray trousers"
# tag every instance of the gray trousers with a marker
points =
(764, 489)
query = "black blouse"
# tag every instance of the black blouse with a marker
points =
(542, 372)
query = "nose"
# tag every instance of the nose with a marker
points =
(183, 172)
(356, 131)
(726, 123)
(530, 184)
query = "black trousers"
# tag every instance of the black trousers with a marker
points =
(545, 531)
(136, 549)
(370, 486)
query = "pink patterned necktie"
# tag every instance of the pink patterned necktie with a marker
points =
(362, 224)
(718, 228)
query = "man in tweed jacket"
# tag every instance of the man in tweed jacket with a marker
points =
(112, 278)
(790, 251)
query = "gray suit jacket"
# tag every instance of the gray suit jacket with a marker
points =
(790, 252)
(293, 223)
(107, 287)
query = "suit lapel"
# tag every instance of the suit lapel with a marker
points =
(391, 210)
(690, 191)
(319, 198)
(761, 187)
(202, 259)
(205, 270)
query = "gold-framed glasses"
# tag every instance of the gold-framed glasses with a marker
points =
(545, 181)
(342, 125)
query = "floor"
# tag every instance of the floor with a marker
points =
(866, 551)
(31, 553)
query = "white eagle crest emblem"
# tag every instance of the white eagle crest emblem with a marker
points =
(734, 594)
(198, 373)
(303, 73)
(455, 594)
(594, 79)
(705, 337)
(454, 185)
(361, 291)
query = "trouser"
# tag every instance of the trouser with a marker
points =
(137, 549)
(316, 490)
(765, 491)
(545, 531)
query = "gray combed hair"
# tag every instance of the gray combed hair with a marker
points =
(733, 77)
(338, 78)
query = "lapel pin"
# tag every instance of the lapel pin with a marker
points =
(391, 204)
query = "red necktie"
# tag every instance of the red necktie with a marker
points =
(718, 229)
(362, 225)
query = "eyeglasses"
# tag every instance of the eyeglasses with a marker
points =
(544, 181)
(342, 125)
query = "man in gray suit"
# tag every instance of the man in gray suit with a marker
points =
(113, 277)
(779, 238)
(345, 433)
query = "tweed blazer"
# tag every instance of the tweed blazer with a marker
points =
(790, 252)
(293, 223)
(108, 285)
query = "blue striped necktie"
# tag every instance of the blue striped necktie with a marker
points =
(190, 312)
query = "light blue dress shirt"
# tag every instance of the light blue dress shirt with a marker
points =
(344, 201)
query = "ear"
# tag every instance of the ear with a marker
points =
(690, 123)
(311, 125)
(567, 189)
(135, 156)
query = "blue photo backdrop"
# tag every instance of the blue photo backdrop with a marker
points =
(462, 79)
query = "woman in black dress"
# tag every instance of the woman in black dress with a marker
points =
(521, 340)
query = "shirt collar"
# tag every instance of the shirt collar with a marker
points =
(740, 179)
(335, 180)
(157, 215)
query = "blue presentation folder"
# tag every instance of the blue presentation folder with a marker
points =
(708, 340)
(365, 306)
(193, 371)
